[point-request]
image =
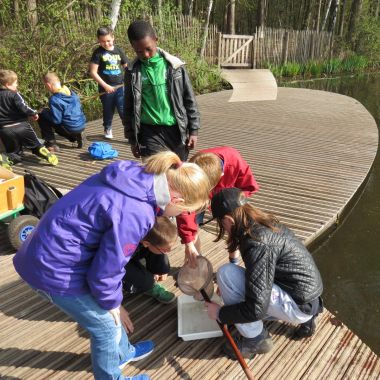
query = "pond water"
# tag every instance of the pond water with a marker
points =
(349, 260)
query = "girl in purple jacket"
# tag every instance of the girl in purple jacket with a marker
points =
(76, 256)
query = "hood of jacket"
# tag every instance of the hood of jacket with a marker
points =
(126, 177)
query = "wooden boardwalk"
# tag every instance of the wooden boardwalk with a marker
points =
(310, 152)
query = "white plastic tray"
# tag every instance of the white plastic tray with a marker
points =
(193, 321)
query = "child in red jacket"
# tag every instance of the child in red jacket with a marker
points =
(225, 168)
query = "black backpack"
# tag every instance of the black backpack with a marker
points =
(39, 196)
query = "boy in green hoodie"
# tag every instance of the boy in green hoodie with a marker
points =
(64, 115)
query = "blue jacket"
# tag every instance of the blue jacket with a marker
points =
(83, 242)
(66, 110)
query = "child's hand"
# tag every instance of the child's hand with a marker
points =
(135, 151)
(109, 89)
(35, 117)
(212, 310)
(191, 254)
(192, 142)
(160, 277)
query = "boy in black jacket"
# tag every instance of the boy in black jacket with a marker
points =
(15, 131)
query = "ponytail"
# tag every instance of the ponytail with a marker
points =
(186, 178)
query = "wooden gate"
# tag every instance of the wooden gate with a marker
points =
(235, 51)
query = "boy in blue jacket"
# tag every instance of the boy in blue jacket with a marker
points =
(64, 115)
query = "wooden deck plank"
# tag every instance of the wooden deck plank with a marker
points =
(310, 151)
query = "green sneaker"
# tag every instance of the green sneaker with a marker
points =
(5, 162)
(51, 158)
(160, 294)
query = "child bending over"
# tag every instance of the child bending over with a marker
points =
(225, 168)
(153, 248)
(64, 115)
(15, 131)
(280, 279)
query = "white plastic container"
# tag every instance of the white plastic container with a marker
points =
(193, 321)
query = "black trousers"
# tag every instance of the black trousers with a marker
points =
(139, 278)
(19, 136)
(48, 130)
(158, 138)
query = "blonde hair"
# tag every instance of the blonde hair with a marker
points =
(162, 233)
(187, 179)
(51, 78)
(211, 164)
(7, 77)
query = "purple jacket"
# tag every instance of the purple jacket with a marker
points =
(85, 239)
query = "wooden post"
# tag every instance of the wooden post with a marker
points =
(285, 46)
(253, 58)
(219, 52)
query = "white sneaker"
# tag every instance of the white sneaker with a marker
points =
(108, 134)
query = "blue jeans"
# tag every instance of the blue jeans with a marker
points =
(109, 343)
(110, 102)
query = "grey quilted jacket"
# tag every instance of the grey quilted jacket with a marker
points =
(274, 257)
(181, 95)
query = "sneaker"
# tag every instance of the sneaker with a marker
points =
(249, 347)
(160, 294)
(5, 162)
(14, 158)
(82, 140)
(138, 351)
(51, 158)
(108, 133)
(307, 329)
(137, 377)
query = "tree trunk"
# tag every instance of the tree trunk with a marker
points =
(231, 17)
(31, 7)
(326, 15)
(261, 14)
(341, 18)
(205, 31)
(159, 9)
(191, 5)
(354, 17)
(114, 15)
(319, 15)
(307, 15)
(335, 13)
(16, 7)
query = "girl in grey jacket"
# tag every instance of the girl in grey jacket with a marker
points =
(280, 279)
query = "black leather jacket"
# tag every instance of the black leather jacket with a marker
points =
(275, 257)
(181, 95)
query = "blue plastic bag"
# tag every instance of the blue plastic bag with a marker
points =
(101, 150)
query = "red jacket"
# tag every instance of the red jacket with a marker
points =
(236, 173)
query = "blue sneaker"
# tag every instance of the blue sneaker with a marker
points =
(138, 351)
(138, 377)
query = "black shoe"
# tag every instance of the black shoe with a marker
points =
(307, 329)
(249, 347)
(81, 140)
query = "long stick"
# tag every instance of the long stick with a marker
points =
(228, 336)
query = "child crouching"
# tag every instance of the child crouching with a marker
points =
(15, 131)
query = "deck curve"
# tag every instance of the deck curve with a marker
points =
(310, 151)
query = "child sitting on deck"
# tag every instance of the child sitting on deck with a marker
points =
(225, 168)
(64, 115)
(280, 279)
(15, 131)
(141, 278)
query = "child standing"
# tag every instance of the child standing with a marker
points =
(153, 249)
(64, 115)
(160, 108)
(76, 255)
(15, 131)
(280, 279)
(225, 168)
(106, 68)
